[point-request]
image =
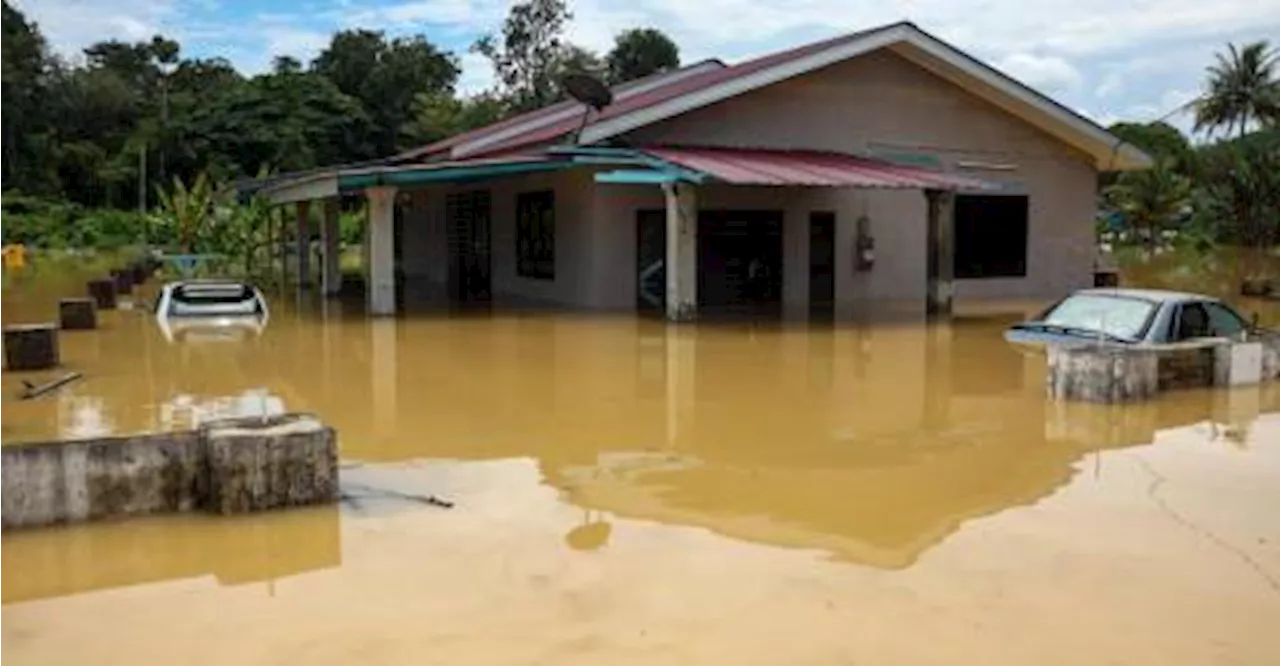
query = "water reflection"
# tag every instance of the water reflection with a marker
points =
(871, 442)
(234, 551)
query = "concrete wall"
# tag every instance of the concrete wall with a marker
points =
(227, 466)
(882, 103)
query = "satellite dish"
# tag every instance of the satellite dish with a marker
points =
(587, 89)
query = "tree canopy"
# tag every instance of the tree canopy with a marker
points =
(639, 52)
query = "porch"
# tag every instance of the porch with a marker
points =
(672, 231)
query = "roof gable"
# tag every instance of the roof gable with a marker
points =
(670, 96)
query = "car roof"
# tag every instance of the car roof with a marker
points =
(1154, 295)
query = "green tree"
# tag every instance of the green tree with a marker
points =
(1151, 200)
(1159, 139)
(438, 116)
(1241, 89)
(26, 129)
(290, 121)
(639, 52)
(529, 53)
(386, 76)
(188, 208)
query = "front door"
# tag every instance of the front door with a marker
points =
(740, 262)
(468, 215)
(822, 265)
(651, 257)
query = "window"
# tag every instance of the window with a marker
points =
(536, 235)
(990, 236)
(1119, 316)
(1223, 321)
(1204, 320)
(1192, 322)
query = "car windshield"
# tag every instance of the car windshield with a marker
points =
(1113, 315)
(214, 299)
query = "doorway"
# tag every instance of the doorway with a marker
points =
(822, 265)
(740, 262)
(651, 261)
(467, 216)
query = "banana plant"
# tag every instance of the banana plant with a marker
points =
(189, 208)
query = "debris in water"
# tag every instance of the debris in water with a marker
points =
(363, 493)
(34, 391)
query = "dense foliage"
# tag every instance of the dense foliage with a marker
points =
(104, 129)
(1228, 191)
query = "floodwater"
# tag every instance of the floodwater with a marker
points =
(627, 492)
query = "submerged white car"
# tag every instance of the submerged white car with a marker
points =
(210, 309)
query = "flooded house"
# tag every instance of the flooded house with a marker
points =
(883, 166)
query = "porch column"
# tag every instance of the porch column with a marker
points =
(682, 251)
(941, 253)
(331, 272)
(303, 245)
(380, 239)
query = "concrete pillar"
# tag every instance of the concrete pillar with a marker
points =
(682, 252)
(381, 281)
(941, 253)
(303, 246)
(331, 274)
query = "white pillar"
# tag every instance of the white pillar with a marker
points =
(380, 278)
(303, 246)
(940, 267)
(331, 273)
(682, 252)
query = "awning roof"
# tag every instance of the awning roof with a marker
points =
(750, 166)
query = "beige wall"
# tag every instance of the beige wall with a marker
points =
(882, 103)
(425, 253)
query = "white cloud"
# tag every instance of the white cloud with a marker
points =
(1118, 59)
(1051, 74)
(71, 25)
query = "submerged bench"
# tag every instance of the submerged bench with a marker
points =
(227, 466)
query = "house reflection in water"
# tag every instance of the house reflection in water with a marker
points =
(943, 425)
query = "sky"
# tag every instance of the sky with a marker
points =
(1107, 59)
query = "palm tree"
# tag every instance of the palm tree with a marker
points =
(1242, 87)
(1151, 200)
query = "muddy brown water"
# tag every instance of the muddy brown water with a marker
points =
(627, 492)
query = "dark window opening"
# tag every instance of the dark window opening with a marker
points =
(536, 235)
(990, 236)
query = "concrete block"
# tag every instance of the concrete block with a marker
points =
(1102, 373)
(123, 280)
(257, 464)
(66, 482)
(30, 346)
(1238, 364)
(103, 293)
(76, 314)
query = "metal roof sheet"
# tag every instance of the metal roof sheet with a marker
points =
(748, 166)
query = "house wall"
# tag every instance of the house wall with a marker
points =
(424, 235)
(882, 103)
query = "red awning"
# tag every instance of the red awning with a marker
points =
(750, 166)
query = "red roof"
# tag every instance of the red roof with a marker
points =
(625, 104)
(808, 168)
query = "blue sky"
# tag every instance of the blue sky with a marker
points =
(1108, 59)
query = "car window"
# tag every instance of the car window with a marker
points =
(1114, 315)
(1223, 321)
(1191, 322)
